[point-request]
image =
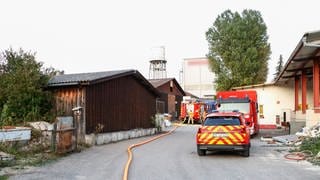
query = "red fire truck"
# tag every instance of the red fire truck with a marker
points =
(197, 107)
(245, 102)
(194, 107)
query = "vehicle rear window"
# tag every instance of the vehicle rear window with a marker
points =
(221, 121)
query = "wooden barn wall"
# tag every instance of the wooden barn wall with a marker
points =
(119, 104)
(166, 88)
(67, 98)
(164, 98)
(178, 105)
(171, 104)
(170, 98)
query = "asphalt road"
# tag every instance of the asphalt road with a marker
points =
(175, 157)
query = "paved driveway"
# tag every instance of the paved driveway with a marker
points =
(175, 157)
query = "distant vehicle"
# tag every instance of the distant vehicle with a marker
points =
(223, 131)
(210, 105)
(243, 101)
(198, 108)
(194, 107)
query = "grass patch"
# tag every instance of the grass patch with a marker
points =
(311, 144)
(31, 155)
(4, 177)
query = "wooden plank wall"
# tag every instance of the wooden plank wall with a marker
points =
(68, 98)
(119, 104)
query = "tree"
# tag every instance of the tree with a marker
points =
(238, 49)
(278, 68)
(22, 97)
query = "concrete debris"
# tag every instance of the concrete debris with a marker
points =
(266, 138)
(45, 128)
(42, 125)
(6, 157)
(299, 136)
(298, 143)
(167, 123)
(287, 139)
(314, 131)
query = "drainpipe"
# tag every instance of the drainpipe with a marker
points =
(305, 43)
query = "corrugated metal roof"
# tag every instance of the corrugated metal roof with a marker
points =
(97, 77)
(302, 57)
(82, 78)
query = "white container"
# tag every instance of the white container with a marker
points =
(15, 134)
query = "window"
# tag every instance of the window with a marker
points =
(222, 121)
(241, 107)
(261, 109)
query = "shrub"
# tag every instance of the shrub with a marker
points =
(311, 144)
(22, 94)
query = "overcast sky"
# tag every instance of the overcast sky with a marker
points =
(99, 35)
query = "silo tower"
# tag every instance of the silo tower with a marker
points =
(157, 68)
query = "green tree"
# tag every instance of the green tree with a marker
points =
(22, 97)
(278, 68)
(238, 49)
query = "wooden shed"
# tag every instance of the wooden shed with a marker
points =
(109, 101)
(171, 94)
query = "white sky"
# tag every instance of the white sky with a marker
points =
(100, 35)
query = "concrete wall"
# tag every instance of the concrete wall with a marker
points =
(312, 118)
(106, 138)
(197, 77)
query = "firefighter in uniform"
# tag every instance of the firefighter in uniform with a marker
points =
(190, 113)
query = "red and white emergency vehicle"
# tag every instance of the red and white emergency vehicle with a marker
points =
(243, 101)
(191, 106)
(223, 131)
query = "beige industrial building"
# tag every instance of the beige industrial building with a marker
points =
(197, 78)
(294, 95)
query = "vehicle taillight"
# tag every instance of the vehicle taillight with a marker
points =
(200, 130)
(243, 129)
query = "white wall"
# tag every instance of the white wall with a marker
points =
(275, 101)
(197, 77)
(278, 99)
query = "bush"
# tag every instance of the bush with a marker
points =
(22, 94)
(311, 144)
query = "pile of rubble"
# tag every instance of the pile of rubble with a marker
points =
(6, 157)
(310, 132)
(295, 140)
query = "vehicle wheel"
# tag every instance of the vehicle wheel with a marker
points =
(246, 152)
(201, 152)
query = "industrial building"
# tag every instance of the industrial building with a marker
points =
(294, 95)
(197, 78)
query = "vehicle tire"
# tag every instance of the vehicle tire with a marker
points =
(201, 152)
(246, 152)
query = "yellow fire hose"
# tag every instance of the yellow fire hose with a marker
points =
(126, 169)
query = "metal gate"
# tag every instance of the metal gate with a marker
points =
(64, 135)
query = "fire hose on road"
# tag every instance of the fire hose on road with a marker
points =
(126, 169)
